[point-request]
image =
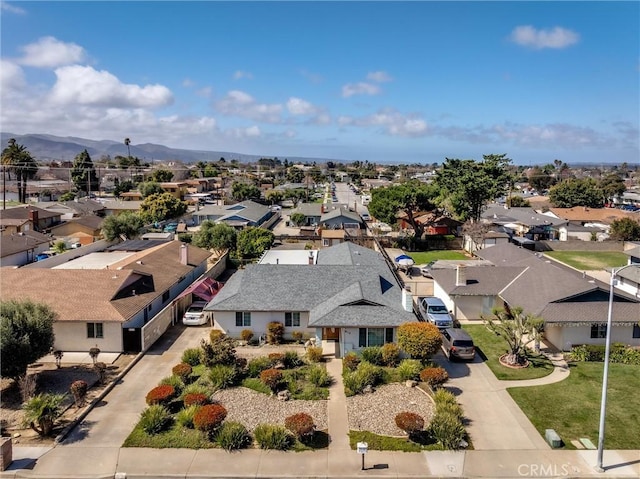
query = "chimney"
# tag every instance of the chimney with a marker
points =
(184, 254)
(461, 275)
(407, 299)
(33, 217)
(311, 257)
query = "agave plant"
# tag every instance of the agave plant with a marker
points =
(41, 412)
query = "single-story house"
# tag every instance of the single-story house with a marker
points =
(84, 230)
(74, 209)
(19, 249)
(27, 218)
(340, 218)
(577, 231)
(524, 221)
(312, 213)
(116, 207)
(574, 308)
(348, 300)
(105, 298)
(240, 215)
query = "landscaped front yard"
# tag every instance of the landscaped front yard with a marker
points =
(572, 406)
(424, 257)
(590, 260)
(493, 347)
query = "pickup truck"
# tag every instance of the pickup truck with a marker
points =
(435, 311)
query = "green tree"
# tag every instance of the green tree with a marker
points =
(419, 340)
(210, 171)
(274, 196)
(297, 218)
(243, 191)
(122, 187)
(612, 186)
(517, 202)
(149, 188)
(215, 236)
(295, 175)
(83, 174)
(17, 158)
(575, 192)
(41, 412)
(466, 186)
(127, 224)
(26, 334)
(541, 179)
(517, 329)
(253, 241)
(412, 198)
(161, 176)
(625, 229)
(159, 207)
(60, 247)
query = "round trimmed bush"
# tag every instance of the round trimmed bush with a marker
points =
(390, 355)
(276, 357)
(197, 399)
(314, 354)
(409, 422)
(154, 419)
(183, 371)
(162, 395)
(300, 424)
(419, 340)
(275, 332)
(434, 377)
(246, 335)
(79, 390)
(215, 335)
(272, 378)
(209, 417)
(233, 435)
(271, 436)
(350, 361)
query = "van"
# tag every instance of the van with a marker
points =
(457, 344)
(435, 311)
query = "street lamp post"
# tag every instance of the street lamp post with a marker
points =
(605, 374)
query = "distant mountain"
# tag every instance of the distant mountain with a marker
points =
(49, 147)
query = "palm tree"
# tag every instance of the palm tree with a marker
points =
(127, 142)
(18, 157)
(41, 412)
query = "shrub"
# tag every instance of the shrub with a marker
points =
(79, 390)
(197, 388)
(370, 373)
(154, 419)
(292, 360)
(276, 357)
(350, 361)
(410, 422)
(183, 371)
(222, 376)
(314, 354)
(246, 335)
(300, 424)
(195, 399)
(94, 352)
(101, 371)
(220, 351)
(257, 365)
(272, 378)
(434, 377)
(447, 430)
(619, 353)
(269, 436)
(241, 364)
(318, 376)
(209, 417)
(184, 417)
(162, 395)
(275, 332)
(450, 408)
(42, 411)
(233, 435)
(192, 356)
(215, 335)
(297, 336)
(419, 340)
(256, 385)
(390, 355)
(442, 396)
(174, 381)
(373, 355)
(409, 369)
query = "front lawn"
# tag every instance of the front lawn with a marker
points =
(388, 443)
(572, 406)
(589, 260)
(493, 347)
(424, 257)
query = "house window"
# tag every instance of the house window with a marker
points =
(374, 336)
(243, 319)
(636, 331)
(94, 330)
(325, 241)
(165, 296)
(292, 319)
(598, 331)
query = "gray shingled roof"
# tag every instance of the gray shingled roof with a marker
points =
(249, 210)
(522, 215)
(331, 214)
(481, 280)
(591, 312)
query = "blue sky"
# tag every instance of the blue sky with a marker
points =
(402, 82)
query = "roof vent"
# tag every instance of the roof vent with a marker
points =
(139, 262)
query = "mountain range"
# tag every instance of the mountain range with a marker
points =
(45, 147)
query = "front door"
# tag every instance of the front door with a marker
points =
(331, 334)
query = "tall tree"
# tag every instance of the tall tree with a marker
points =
(161, 175)
(149, 188)
(127, 224)
(412, 197)
(17, 158)
(576, 192)
(127, 142)
(159, 207)
(625, 229)
(83, 173)
(215, 236)
(253, 241)
(243, 191)
(612, 186)
(466, 186)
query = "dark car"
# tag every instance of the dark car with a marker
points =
(457, 344)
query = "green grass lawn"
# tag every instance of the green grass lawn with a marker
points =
(423, 257)
(493, 347)
(572, 406)
(589, 260)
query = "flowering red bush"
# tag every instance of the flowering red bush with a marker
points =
(182, 370)
(275, 357)
(300, 424)
(161, 394)
(195, 398)
(272, 378)
(434, 377)
(209, 417)
(409, 422)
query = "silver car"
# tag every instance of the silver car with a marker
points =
(457, 344)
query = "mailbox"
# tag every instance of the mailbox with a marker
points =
(362, 447)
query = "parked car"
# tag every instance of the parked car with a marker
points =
(195, 316)
(426, 270)
(457, 344)
(435, 311)
(43, 256)
(365, 217)
(171, 228)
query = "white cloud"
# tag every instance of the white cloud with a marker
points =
(392, 122)
(49, 52)
(6, 7)
(11, 76)
(239, 74)
(242, 104)
(298, 106)
(557, 37)
(244, 133)
(379, 76)
(83, 85)
(360, 88)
